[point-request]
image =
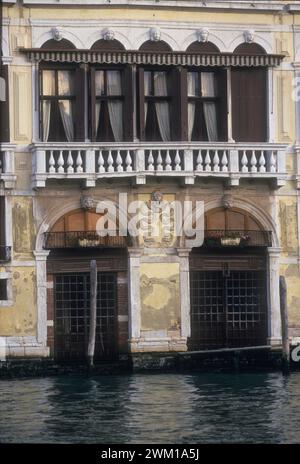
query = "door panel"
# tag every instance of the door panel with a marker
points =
(72, 313)
(228, 309)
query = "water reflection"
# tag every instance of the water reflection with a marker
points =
(204, 408)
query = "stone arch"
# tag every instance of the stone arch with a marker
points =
(239, 40)
(67, 35)
(119, 37)
(56, 213)
(166, 38)
(212, 38)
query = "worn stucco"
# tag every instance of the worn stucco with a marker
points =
(160, 304)
(20, 319)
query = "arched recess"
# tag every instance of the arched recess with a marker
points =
(78, 229)
(230, 219)
(73, 244)
(155, 46)
(62, 44)
(258, 214)
(249, 49)
(202, 47)
(229, 277)
(107, 45)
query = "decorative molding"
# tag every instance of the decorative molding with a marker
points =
(21, 104)
(202, 34)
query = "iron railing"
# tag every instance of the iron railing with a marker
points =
(238, 238)
(5, 253)
(84, 239)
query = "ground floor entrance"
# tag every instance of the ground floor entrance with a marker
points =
(72, 316)
(228, 309)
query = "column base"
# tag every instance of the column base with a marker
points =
(158, 345)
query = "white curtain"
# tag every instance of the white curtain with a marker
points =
(162, 108)
(66, 88)
(191, 118)
(97, 116)
(208, 85)
(115, 107)
(147, 91)
(48, 90)
(99, 83)
(65, 83)
(99, 90)
(65, 108)
(192, 79)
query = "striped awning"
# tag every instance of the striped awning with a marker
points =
(151, 58)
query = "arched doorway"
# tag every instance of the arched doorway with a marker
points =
(73, 243)
(228, 282)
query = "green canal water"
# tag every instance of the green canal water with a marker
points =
(170, 409)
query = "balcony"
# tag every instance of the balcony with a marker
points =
(5, 254)
(84, 239)
(187, 162)
(237, 238)
(7, 168)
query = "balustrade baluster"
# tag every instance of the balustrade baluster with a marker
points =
(262, 162)
(61, 162)
(101, 167)
(79, 162)
(128, 162)
(70, 163)
(51, 163)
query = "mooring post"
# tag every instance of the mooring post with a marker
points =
(93, 314)
(284, 326)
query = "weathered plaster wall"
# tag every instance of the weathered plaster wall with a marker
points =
(20, 319)
(160, 302)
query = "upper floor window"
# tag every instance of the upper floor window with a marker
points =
(157, 106)
(57, 104)
(154, 101)
(202, 106)
(108, 105)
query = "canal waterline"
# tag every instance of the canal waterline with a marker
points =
(162, 408)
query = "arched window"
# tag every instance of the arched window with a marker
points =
(108, 45)
(155, 46)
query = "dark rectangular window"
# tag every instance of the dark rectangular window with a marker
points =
(154, 105)
(3, 289)
(108, 105)
(207, 105)
(58, 105)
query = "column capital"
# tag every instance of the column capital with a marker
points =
(184, 252)
(274, 251)
(41, 255)
(135, 252)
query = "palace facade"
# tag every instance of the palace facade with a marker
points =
(163, 101)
